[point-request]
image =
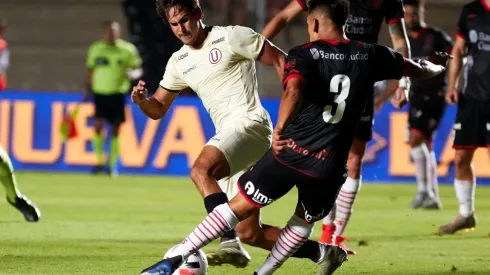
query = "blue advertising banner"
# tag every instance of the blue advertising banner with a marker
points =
(30, 131)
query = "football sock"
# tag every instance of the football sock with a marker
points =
(98, 142)
(465, 191)
(220, 220)
(114, 152)
(213, 200)
(7, 176)
(309, 250)
(345, 203)
(420, 156)
(295, 234)
(433, 179)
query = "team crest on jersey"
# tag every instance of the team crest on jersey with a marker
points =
(215, 56)
(290, 66)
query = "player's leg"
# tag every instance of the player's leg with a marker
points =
(255, 193)
(315, 198)
(468, 136)
(14, 197)
(243, 143)
(100, 104)
(116, 119)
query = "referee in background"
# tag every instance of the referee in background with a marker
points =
(111, 65)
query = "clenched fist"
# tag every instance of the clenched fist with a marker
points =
(139, 92)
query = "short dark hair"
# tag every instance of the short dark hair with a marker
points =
(163, 6)
(337, 10)
(108, 23)
(415, 3)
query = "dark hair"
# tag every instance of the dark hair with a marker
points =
(163, 6)
(336, 10)
(415, 3)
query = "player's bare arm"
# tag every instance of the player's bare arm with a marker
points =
(399, 38)
(156, 106)
(88, 86)
(454, 69)
(280, 20)
(290, 101)
(273, 56)
(422, 69)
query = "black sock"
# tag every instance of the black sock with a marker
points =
(310, 250)
(211, 202)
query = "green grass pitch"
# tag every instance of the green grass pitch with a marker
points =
(97, 225)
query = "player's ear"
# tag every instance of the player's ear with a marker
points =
(199, 14)
(316, 25)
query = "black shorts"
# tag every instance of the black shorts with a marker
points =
(269, 179)
(472, 126)
(364, 129)
(425, 113)
(110, 107)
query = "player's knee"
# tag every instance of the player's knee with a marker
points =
(250, 236)
(462, 161)
(199, 173)
(416, 139)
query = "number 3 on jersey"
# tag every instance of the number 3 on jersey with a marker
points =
(340, 85)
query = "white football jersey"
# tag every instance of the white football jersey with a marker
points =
(222, 73)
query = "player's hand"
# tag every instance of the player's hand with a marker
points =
(439, 58)
(139, 92)
(400, 98)
(278, 141)
(452, 96)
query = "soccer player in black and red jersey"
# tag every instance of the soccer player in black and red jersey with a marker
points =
(472, 126)
(363, 24)
(324, 99)
(427, 106)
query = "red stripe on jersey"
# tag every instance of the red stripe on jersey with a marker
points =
(466, 146)
(335, 42)
(301, 4)
(291, 76)
(458, 34)
(394, 20)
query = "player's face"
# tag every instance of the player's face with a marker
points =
(111, 33)
(412, 17)
(184, 24)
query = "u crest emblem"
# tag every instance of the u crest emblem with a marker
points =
(215, 56)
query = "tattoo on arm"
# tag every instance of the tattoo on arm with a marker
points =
(400, 38)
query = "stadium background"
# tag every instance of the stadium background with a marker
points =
(47, 74)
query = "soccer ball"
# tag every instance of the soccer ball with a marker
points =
(196, 264)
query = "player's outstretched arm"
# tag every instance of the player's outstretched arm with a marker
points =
(425, 68)
(156, 106)
(454, 69)
(281, 19)
(273, 56)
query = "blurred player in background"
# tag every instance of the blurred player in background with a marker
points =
(311, 139)
(218, 63)
(472, 126)
(14, 197)
(111, 64)
(4, 55)
(363, 24)
(427, 104)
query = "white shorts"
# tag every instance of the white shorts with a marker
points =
(243, 142)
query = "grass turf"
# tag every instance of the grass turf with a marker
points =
(98, 225)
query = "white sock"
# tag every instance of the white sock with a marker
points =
(465, 191)
(420, 156)
(220, 220)
(330, 218)
(291, 238)
(345, 203)
(433, 178)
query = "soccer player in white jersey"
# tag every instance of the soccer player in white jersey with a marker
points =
(218, 64)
